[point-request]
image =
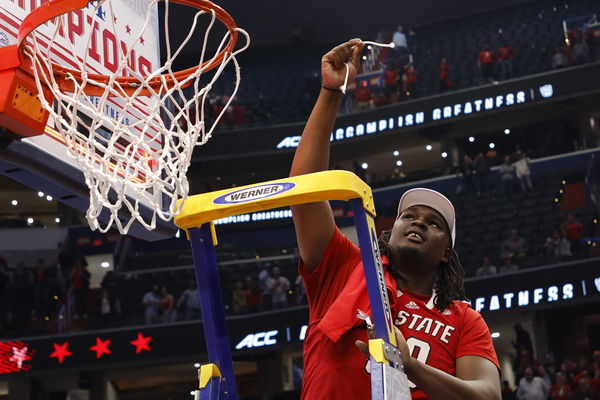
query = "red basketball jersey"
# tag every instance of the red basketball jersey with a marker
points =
(334, 368)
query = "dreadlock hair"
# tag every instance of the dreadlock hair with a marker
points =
(449, 276)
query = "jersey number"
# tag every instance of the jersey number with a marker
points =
(420, 350)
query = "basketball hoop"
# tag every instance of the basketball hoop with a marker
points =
(139, 152)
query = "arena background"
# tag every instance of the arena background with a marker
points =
(74, 351)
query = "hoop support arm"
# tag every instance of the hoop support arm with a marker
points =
(310, 188)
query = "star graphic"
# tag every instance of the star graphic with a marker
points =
(142, 40)
(60, 352)
(101, 13)
(19, 356)
(141, 343)
(115, 18)
(101, 347)
(128, 28)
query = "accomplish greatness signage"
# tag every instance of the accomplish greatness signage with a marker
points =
(470, 106)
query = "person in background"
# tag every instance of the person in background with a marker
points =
(508, 266)
(168, 312)
(581, 52)
(482, 172)
(557, 247)
(506, 54)
(400, 43)
(486, 63)
(444, 75)
(238, 298)
(80, 282)
(390, 80)
(253, 295)
(574, 233)
(560, 390)
(409, 81)
(523, 172)
(559, 59)
(507, 392)
(279, 286)
(532, 387)
(362, 95)
(486, 269)
(300, 291)
(514, 246)
(151, 303)
(507, 175)
(190, 299)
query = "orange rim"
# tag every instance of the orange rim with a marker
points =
(129, 85)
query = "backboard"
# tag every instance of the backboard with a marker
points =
(43, 162)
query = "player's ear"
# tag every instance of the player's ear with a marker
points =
(447, 254)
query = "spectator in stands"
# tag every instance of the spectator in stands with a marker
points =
(465, 174)
(279, 286)
(168, 312)
(523, 346)
(112, 283)
(523, 172)
(390, 81)
(412, 42)
(189, 299)
(584, 390)
(507, 175)
(41, 287)
(581, 52)
(400, 42)
(557, 246)
(515, 246)
(561, 390)
(532, 387)
(486, 63)
(574, 233)
(409, 81)
(549, 364)
(507, 392)
(362, 95)
(559, 59)
(151, 303)
(80, 282)
(508, 266)
(105, 308)
(300, 291)
(506, 54)
(20, 294)
(264, 278)
(482, 172)
(444, 75)
(486, 269)
(238, 298)
(253, 295)
(542, 373)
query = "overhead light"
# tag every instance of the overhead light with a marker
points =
(29, 221)
(178, 234)
(399, 163)
(14, 203)
(364, 57)
(471, 139)
(57, 220)
(428, 147)
(49, 198)
(105, 264)
(369, 47)
(396, 153)
(495, 335)
(444, 154)
(197, 365)
(492, 145)
(507, 131)
(364, 165)
(40, 194)
(193, 393)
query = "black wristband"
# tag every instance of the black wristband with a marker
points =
(331, 90)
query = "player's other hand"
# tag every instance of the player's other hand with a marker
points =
(401, 342)
(333, 69)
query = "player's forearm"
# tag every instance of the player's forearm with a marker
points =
(312, 154)
(439, 385)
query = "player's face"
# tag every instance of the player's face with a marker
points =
(421, 231)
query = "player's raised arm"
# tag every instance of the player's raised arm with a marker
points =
(314, 222)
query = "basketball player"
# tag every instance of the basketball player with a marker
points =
(448, 353)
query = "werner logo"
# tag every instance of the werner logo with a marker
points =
(258, 340)
(254, 193)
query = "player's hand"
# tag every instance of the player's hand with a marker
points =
(400, 341)
(333, 69)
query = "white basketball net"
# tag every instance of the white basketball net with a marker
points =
(137, 154)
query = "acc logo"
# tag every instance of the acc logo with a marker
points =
(258, 340)
(254, 193)
(4, 40)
